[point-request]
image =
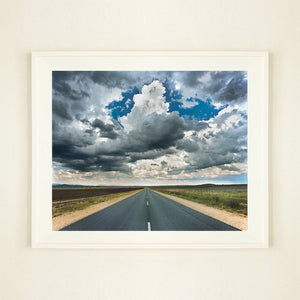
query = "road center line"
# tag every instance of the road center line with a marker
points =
(147, 203)
(149, 226)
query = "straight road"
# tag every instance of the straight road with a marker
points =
(148, 210)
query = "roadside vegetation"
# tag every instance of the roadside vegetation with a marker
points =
(66, 193)
(66, 200)
(232, 198)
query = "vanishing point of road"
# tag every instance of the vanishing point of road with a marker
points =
(148, 211)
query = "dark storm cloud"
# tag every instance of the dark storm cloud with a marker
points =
(61, 109)
(113, 79)
(191, 144)
(63, 151)
(125, 79)
(70, 76)
(72, 144)
(153, 139)
(191, 79)
(187, 145)
(70, 135)
(78, 122)
(110, 79)
(235, 89)
(76, 158)
(195, 125)
(66, 91)
(102, 126)
(156, 132)
(223, 147)
(113, 163)
(227, 86)
(96, 164)
(151, 154)
(224, 86)
(89, 131)
(60, 76)
(106, 130)
(106, 163)
(61, 84)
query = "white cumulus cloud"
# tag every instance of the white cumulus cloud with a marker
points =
(151, 100)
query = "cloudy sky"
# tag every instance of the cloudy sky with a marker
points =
(149, 128)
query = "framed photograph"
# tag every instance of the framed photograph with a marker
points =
(150, 149)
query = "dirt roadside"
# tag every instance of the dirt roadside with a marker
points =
(71, 217)
(236, 220)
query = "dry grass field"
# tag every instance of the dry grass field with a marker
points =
(71, 199)
(232, 198)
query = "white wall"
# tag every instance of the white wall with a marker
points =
(35, 25)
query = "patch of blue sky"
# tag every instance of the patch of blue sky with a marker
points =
(232, 179)
(171, 93)
(227, 179)
(202, 111)
(124, 106)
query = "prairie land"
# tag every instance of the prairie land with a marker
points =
(232, 198)
(66, 200)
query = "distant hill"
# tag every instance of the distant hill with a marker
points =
(206, 185)
(55, 185)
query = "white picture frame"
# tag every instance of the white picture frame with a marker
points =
(255, 63)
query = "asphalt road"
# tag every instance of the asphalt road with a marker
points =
(148, 210)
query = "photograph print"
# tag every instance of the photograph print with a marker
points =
(149, 150)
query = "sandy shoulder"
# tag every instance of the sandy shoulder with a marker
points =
(71, 217)
(236, 220)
